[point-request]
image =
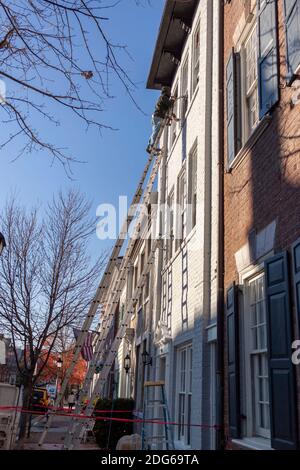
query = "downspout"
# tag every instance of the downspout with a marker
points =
(220, 300)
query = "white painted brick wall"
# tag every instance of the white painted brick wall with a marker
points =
(198, 123)
(202, 124)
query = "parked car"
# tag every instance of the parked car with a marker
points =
(40, 400)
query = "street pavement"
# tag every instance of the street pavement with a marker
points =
(55, 435)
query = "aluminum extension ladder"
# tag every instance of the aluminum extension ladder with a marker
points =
(108, 293)
(154, 403)
(105, 289)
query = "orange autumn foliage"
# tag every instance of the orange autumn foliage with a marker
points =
(50, 372)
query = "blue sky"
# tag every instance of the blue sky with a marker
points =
(114, 161)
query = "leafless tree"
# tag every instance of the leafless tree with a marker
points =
(56, 52)
(47, 279)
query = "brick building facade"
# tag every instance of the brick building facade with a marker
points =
(261, 222)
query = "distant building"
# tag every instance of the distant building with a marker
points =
(9, 371)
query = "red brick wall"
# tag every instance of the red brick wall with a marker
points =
(266, 183)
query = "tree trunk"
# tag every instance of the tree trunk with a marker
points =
(25, 417)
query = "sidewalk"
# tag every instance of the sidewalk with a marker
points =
(55, 435)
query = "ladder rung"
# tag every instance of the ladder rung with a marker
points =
(154, 419)
(155, 406)
(157, 383)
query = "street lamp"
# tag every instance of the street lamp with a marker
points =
(2, 243)
(147, 360)
(127, 363)
(59, 364)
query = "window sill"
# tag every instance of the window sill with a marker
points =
(249, 144)
(253, 443)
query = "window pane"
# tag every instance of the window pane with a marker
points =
(259, 361)
(251, 60)
(262, 337)
(260, 288)
(253, 109)
(184, 88)
(184, 395)
(260, 313)
(188, 441)
(196, 58)
(190, 369)
(182, 206)
(254, 327)
(173, 130)
(262, 418)
(183, 370)
(252, 293)
(251, 82)
(184, 83)
(181, 416)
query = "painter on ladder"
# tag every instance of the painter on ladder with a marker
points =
(163, 110)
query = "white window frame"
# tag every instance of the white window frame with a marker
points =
(181, 207)
(164, 299)
(146, 288)
(171, 224)
(251, 429)
(135, 274)
(245, 94)
(183, 403)
(142, 261)
(174, 123)
(195, 59)
(184, 90)
(192, 186)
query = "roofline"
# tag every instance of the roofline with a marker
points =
(162, 33)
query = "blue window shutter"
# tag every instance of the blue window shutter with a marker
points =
(292, 32)
(233, 361)
(232, 93)
(281, 370)
(268, 73)
(296, 274)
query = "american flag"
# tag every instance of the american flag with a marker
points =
(87, 348)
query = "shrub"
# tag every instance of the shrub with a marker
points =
(108, 432)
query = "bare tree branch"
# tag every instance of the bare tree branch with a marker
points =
(57, 51)
(47, 279)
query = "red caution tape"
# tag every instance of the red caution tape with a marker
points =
(106, 418)
(53, 408)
